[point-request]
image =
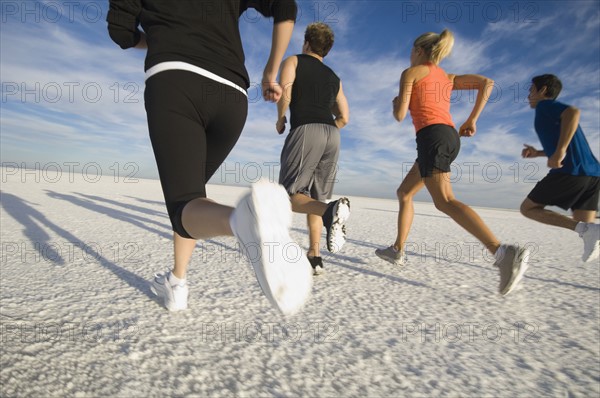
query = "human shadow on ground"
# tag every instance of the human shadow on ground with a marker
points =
(147, 201)
(34, 221)
(162, 229)
(492, 268)
(138, 221)
(139, 209)
(369, 272)
(416, 214)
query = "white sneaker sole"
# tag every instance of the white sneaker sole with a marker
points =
(282, 269)
(337, 236)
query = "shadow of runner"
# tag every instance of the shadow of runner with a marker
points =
(165, 230)
(29, 217)
(138, 221)
(396, 279)
(147, 201)
(139, 209)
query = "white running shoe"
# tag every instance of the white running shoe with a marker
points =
(512, 263)
(591, 242)
(174, 298)
(261, 223)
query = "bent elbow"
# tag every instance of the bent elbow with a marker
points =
(125, 39)
(342, 121)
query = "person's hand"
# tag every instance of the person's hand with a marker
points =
(280, 125)
(529, 151)
(555, 161)
(271, 90)
(395, 105)
(468, 129)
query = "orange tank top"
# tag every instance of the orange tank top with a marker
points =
(430, 99)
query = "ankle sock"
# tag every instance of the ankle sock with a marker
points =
(174, 281)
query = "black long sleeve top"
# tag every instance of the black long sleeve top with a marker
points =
(204, 33)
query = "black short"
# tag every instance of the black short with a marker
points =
(194, 122)
(437, 147)
(567, 191)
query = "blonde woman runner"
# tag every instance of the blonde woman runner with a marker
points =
(425, 91)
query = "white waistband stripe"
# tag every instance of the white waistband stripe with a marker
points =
(176, 65)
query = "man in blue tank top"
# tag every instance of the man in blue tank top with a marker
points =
(574, 178)
(314, 94)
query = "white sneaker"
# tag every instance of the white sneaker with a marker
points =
(261, 223)
(591, 242)
(512, 262)
(174, 298)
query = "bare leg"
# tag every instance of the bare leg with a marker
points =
(201, 218)
(584, 215)
(315, 226)
(440, 189)
(183, 248)
(409, 187)
(537, 212)
(307, 205)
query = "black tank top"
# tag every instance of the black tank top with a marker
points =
(313, 93)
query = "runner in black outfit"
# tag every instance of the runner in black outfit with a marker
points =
(196, 103)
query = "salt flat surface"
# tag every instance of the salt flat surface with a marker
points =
(78, 319)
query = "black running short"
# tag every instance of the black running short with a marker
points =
(567, 191)
(193, 122)
(437, 147)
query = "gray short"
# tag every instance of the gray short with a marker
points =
(309, 160)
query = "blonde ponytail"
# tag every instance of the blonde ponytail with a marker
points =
(437, 47)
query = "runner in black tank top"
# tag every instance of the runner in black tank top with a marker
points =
(309, 157)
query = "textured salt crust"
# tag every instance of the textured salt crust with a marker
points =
(78, 319)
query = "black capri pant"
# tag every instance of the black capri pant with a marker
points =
(194, 122)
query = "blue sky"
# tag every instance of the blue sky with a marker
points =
(73, 98)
